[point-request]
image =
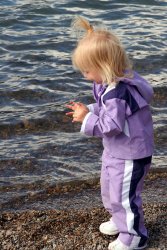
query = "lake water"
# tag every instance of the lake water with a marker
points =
(39, 145)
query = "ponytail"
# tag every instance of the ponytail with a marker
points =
(80, 23)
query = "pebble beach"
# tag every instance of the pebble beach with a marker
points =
(74, 224)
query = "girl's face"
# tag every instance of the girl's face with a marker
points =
(92, 76)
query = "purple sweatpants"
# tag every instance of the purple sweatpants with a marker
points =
(121, 187)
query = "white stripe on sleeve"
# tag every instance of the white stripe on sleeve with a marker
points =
(91, 108)
(84, 122)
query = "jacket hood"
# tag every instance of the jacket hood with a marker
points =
(142, 85)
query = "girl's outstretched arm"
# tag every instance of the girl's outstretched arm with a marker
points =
(109, 122)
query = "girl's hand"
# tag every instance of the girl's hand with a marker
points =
(79, 111)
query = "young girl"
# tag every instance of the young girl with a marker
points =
(121, 117)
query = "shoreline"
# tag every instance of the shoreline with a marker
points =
(81, 193)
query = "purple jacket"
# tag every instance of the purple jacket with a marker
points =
(122, 117)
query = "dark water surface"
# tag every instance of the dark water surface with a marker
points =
(39, 146)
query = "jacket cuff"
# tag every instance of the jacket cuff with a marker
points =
(88, 124)
(84, 122)
(91, 108)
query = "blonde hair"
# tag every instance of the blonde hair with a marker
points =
(100, 50)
